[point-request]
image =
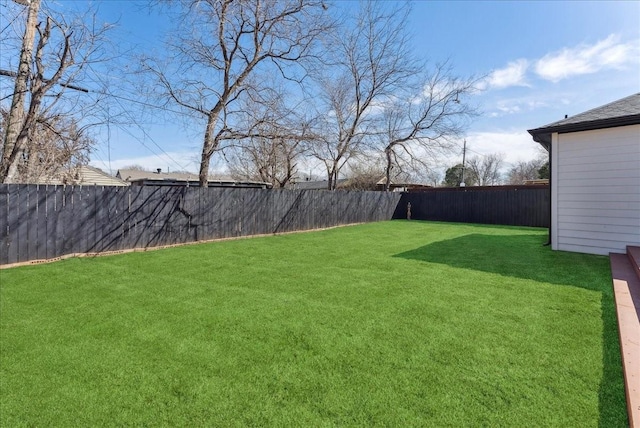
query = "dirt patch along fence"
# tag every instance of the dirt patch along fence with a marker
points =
(44, 222)
(508, 205)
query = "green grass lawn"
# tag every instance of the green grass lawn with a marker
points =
(395, 323)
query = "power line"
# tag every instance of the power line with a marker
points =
(99, 79)
(137, 102)
(108, 94)
(149, 137)
(65, 84)
(118, 98)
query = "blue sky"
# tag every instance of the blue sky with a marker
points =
(541, 60)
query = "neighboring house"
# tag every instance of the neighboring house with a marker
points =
(595, 178)
(317, 185)
(399, 186)
(537, 182)
(90, 176)
(146, 178)
(86, 176)
(355, 184)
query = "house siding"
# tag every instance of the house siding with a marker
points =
(91, 177)
(596, 190)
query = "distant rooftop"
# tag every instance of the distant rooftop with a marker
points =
(159, 178)
(85, 175)
(316, 185)
(136, 174)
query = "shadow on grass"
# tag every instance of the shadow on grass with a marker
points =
(524, 256)
(518, 256)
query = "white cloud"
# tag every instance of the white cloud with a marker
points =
(516, 105)
(586, 59)
(508, 109)
(606, 54)
(514, 145)
(511, 75)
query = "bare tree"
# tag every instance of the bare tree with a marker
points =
(57, 147)
(54, 54)
(422, 120)
(486, 169)
(364, 172)
(432, 177)
(221, 56)
(525, 170)
(274, 139)
(136, 167)
(271, 160)
(370, 60)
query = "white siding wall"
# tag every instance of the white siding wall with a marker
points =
(596, 190)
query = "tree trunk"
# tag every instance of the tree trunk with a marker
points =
(8, 167)
(332, 183)
(209, 146)
(387, 172)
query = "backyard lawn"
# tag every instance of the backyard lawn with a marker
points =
(395, 323)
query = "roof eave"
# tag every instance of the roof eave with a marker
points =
(543, 138)
(633, 119)
(543, 135)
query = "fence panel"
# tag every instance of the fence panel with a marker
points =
(4, 221)
(507, 205)
(13, 219)
(138, 197)
(44, 222)
(104, 201)
(39, 222)
(118, 217)
(25, 228)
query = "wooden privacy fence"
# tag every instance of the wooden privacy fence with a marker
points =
(508, 205)
(43, 222)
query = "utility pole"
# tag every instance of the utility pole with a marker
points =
(16, 113)
(464, 152)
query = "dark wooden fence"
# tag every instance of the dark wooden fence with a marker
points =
(508, 205)
(45, 222)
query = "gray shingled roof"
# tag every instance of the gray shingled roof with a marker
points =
(617, 113)
(135, 174)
